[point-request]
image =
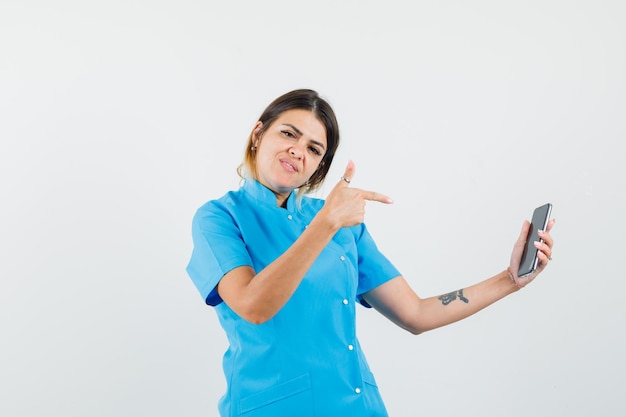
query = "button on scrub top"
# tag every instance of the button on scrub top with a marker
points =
(306, 361)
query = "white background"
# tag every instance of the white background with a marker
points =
(118, 119)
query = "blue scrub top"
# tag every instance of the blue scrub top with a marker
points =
(306, 361)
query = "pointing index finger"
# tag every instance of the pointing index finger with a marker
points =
(374, 196)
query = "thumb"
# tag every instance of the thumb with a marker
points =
(348, 174)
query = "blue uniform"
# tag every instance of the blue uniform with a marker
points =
(306, 361)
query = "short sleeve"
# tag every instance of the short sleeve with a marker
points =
(217, 249)
(374, 267)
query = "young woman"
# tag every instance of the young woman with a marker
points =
(284, 272)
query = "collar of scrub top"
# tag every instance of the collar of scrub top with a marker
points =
(266, 196)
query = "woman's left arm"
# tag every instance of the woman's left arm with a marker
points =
(397, 301)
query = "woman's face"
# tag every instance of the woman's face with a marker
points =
(289, 151)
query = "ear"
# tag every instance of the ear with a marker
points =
(256, 130)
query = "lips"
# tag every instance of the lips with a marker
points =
(288, 165)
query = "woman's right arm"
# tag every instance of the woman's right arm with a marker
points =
(258, 297)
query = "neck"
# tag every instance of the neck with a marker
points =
(281, 199)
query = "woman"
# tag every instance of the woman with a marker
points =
(284, 272)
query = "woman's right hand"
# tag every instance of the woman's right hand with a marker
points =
(345, 206)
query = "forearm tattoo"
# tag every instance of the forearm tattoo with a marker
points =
(450, 297)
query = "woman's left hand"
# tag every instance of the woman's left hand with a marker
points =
(544, 253)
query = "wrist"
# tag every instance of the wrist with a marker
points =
(324, 223)
(512, 279)
(327, 221)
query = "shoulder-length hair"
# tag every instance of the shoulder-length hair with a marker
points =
(303, 99)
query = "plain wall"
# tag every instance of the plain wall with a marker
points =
(118, 119)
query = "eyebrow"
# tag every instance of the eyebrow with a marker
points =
(299, 132)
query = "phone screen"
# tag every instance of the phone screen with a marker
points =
(529, 261)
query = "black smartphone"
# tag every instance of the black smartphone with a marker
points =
(529, 261)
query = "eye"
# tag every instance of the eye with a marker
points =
(288, 133)
(315, 151)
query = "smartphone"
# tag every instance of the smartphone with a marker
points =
(529, 261)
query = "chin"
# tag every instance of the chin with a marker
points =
(285, 186)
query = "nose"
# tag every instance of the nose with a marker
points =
(296, 151)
